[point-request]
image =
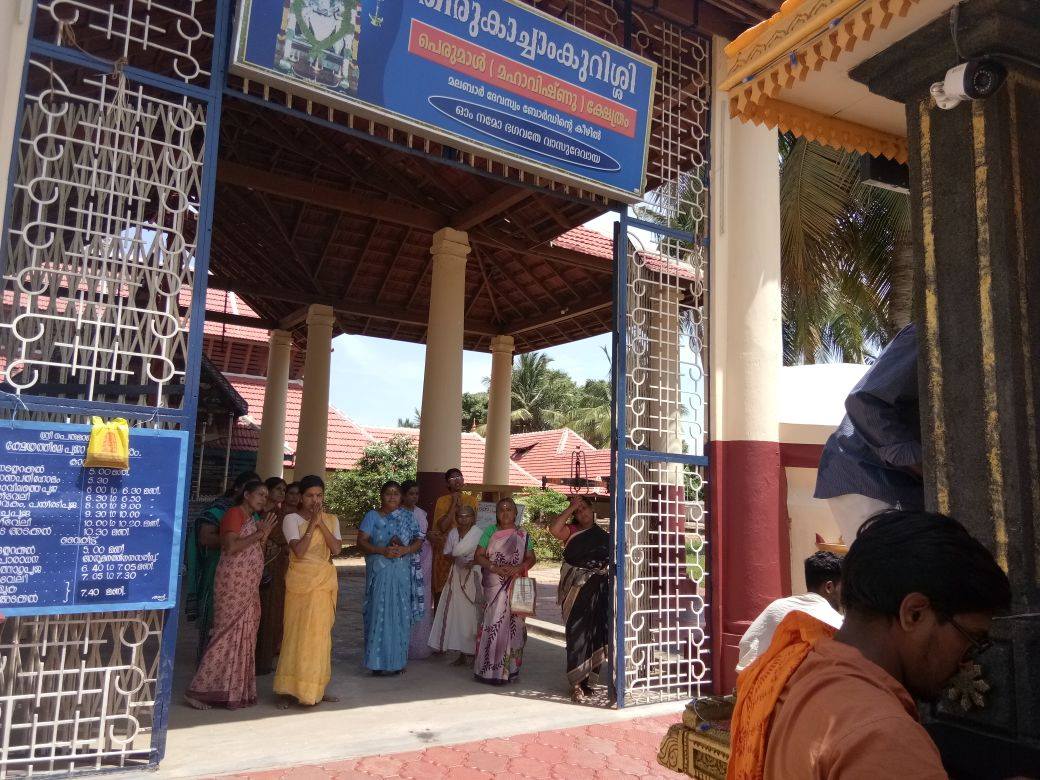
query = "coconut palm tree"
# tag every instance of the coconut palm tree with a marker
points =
(540, 395)
(844, 256)
(845, 265)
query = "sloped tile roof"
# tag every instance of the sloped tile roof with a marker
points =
(346, 439)
(473, 446)
(550, 454)
(581, 239)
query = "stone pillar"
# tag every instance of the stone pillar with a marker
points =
(500, 407)
(440, 442)
(975, 198)
(749, 541)
(270, 456)
(314, 405)
(14, 36)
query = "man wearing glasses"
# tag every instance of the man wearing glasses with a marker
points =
(919, 594)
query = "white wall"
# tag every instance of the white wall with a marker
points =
(812, 403)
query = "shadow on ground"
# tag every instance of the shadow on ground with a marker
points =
(433, 703)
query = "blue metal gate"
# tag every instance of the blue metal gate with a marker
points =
(662, 644)
(105, 255)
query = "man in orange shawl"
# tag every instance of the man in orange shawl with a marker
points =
(919, 594)
(444, 517)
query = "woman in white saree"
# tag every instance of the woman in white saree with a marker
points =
(458, 611)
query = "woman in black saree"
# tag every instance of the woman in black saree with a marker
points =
(584, 595)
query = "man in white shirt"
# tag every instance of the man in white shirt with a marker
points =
(823, 579)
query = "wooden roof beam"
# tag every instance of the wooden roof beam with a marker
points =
(328, 197)
(396, 213)
(543, 321)
(351, 308)
(491, 206)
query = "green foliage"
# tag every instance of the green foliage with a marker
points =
(541, 506)
(540, 394)
(547, 548)
(349, 494)
(588, 414)
(844, 291)
(410, 422)
(474, 410)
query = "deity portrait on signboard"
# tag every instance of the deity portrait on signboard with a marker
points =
(318, 42)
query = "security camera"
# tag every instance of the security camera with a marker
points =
(972, 80)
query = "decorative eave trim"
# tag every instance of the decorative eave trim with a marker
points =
(800, 38)
(838, 133)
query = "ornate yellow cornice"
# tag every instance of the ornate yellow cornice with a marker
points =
(799, 39)
(806, 123)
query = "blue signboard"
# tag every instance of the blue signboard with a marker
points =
(74, 539)
(494, 76)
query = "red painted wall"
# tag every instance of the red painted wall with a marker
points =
(750, 544)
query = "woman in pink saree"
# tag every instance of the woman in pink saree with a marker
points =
(504, 553)
(227, 673)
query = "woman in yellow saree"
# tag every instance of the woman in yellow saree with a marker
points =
(305, 665)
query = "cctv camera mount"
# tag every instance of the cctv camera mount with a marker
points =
(976, 79)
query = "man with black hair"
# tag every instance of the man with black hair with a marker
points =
(919, 594)
(823, 582)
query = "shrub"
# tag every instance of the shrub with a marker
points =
(547, 548)
(349, 494)
(541, 506)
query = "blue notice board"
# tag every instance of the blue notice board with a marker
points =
(494, 76)
(74, 539)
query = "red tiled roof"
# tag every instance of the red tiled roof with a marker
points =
(581, 239)
(346, 439)
(473, 446)
(550, 454)
(589, 242)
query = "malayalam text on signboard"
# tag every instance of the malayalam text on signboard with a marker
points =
(74, 539)
(495, 76)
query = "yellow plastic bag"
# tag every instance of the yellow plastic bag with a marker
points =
(109, 445)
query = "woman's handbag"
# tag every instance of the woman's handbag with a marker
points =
(523, 592)
(523, 596)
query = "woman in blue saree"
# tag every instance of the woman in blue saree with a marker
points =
(389, 538)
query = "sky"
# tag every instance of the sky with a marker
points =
(377, 381)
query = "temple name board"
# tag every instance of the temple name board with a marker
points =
(74, 539)
(495, 77)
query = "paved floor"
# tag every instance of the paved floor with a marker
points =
(433, 704)
(608, 750)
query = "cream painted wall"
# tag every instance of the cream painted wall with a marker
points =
(745, 300)
(14, 34)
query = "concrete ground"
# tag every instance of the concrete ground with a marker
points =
(431, 704)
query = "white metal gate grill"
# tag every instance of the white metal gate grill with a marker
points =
(662, 643)
(106, 231)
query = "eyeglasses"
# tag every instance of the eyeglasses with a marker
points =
(976, 646)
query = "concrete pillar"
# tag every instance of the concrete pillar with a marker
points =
(975, 217)
(750, 549)
(314, 405)
(440, 443)
(271, 454)
(14, 35)
(500, 408)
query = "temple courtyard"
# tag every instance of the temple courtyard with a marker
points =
(432, 716)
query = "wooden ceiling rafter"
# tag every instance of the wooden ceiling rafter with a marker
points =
(477, 252)
(324, 257)
(350, 308)
(345, 290)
